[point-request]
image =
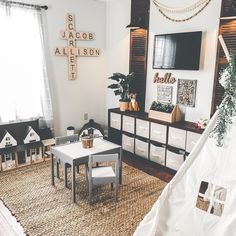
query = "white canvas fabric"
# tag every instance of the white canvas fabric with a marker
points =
(176, 214)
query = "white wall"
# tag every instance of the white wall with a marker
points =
(207, 21)
(71, 99)
(108, 19)
(118, 38)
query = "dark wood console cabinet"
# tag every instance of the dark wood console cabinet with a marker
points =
(165, 144)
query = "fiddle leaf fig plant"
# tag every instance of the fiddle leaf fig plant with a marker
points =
(121, 85)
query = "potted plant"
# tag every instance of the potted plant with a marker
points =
(165, 111)
(121, 88)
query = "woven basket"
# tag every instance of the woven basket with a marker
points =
(87, 141)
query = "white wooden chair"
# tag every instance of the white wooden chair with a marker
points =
(66, 139)
(103, 174)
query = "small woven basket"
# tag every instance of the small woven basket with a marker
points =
(87, 141)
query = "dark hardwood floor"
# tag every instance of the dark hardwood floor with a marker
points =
(149, 167)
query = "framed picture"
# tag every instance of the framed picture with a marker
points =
(229, 8)
(164, 93)
(186, 92)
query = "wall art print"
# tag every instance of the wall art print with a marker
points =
(186, 92)
(71, 51)
(164, 93)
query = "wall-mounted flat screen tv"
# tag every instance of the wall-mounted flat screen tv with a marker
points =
(179, 51)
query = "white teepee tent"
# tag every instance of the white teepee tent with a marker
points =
(201, 198)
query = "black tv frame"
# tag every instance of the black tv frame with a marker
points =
(167, 68)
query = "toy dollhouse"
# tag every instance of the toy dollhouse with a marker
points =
(31, 136)
(8, 158)
(32, 145)
(7, 140)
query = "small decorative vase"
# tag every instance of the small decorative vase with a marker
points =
(124, 106)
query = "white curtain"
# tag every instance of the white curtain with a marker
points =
(24, 90)
(169, 53)
(165, 52)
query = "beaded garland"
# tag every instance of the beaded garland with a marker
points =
(163, 8)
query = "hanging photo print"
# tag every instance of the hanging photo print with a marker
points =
(186, 92)
(164, 94)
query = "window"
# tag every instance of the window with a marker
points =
(164, 51)
(24, 85)
(211, 198)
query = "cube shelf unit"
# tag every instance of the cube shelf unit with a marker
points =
(163, 143)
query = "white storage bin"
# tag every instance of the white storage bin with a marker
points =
(115, 120)
(127, 143)
(157, 154)
(192, 139)
(128, 124)
(177, 137)
(141, 148)
(174, 160)
(158, 132)
(142, 128)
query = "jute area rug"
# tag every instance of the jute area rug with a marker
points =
(45, 210)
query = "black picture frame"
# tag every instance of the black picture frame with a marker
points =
(229, 9)
(177, 51)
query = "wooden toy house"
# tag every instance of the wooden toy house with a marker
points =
(31, 136)
(32, 145)
(9, 157)
(7, 140)
(92, 128)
